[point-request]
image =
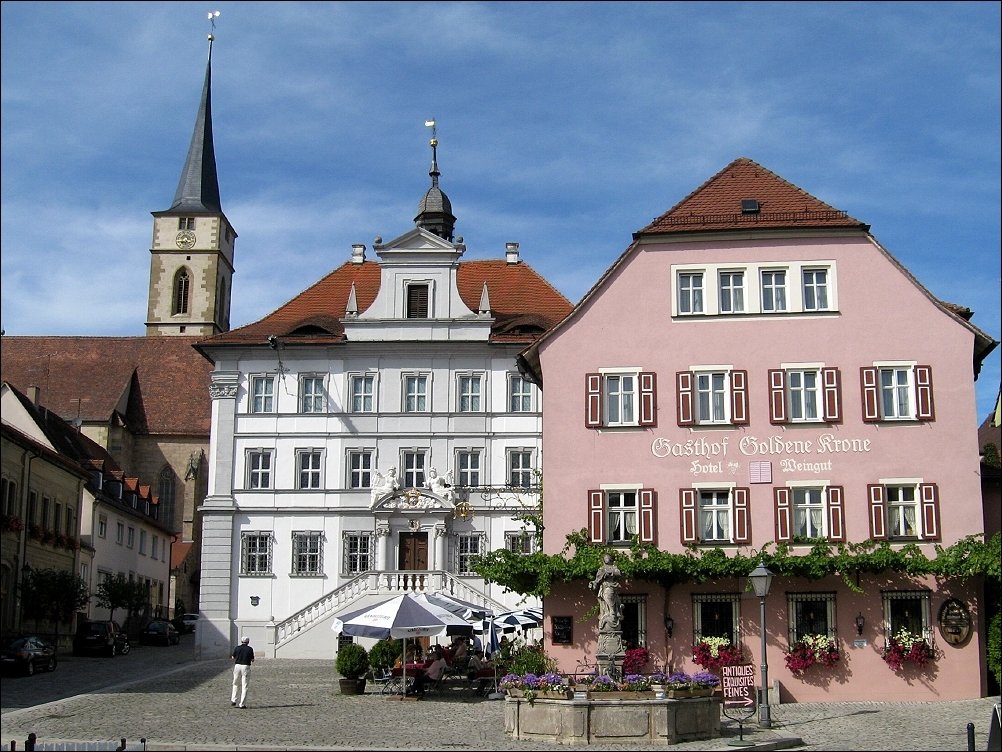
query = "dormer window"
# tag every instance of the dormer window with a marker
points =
(417, 301)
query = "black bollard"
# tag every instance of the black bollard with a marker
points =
(970, 737)
(29, 743)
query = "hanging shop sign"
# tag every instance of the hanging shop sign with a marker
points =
(954, 621)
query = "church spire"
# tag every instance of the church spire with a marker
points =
(198, 188)
(435, 209)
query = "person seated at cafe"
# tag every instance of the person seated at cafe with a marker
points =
(445, 652)
(476, 663)
(460, 650)
(429, 675)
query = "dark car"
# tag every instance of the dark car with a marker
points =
(26, 655)
(100, 637)
(159, 632)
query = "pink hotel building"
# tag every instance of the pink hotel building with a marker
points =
(756, 368)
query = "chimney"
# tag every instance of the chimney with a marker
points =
(33, 395)
(357, 253)
(511, 253)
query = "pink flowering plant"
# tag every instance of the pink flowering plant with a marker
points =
(713, 652)
(810, 650)
(907, 647)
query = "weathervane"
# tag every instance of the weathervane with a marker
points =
(434, 132)
(213, 15)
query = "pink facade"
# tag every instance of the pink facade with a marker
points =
(775, 380)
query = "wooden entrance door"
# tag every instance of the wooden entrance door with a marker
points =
(413, 551)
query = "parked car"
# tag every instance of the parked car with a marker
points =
(190, 621)
(159, 632)
(26, 655)
(100, 637)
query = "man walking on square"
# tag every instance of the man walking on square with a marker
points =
(243, 657)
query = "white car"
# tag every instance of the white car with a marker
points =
(190, 621)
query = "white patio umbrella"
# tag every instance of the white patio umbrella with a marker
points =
(464, 609)
(399, 618)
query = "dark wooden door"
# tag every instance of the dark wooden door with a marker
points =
(413, 551)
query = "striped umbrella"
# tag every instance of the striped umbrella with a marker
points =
(523, 618)
(463, 609)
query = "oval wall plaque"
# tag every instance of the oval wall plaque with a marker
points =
(954, 621)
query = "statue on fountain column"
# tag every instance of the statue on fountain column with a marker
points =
(607, 581)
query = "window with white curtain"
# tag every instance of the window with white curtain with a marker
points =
(808, 512)
(715, 515)
(902, 511)
(621, 508)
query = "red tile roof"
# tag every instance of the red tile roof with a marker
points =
(522, 302)
(158, 385)
(716, 204)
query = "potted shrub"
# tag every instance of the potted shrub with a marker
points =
(385, 653)
(351, 663)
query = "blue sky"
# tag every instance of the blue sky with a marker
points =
(563, 126)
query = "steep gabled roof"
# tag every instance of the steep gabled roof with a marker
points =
(154, 385)
(716, 205)
(523, 304)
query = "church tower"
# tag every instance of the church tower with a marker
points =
(191, 266)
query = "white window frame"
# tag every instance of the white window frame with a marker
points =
(468, 546)
(621, 397)
(803, 398)
(470, 392)
(797, 602)
(309, 469)
(260, 469)
(142, 542)
(774, 296)
(705, 390)
(360, 465)
(416, 392)
(120, 533)
(691, 292)
(155, 548)
(815, 293)
(521, 394)
(469, 468)
(307, 553)
(312, 394)
(518, 470)
(722, 497)
(622, 508)
(805, 498)
(256, 551)
(102, 526)
(896, 389)
(413, 467)
(522, 542)
(731, 296)
(362, 392)
(130, 537)
(262, 394)
(358, 550)
(897, 508)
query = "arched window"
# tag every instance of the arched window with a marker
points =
(182, 287)
(165, 487)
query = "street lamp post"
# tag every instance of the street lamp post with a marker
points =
(761, 579)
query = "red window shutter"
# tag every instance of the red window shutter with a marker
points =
(878, 517)
(923, 393)
(784, 521)
(871, 401)
(930, 511)
(831, 383)
(777, 396)
(593, 400)
(687, 504)
(742, 516)
(739, 398)
(836, 514)
(648, 515)
(596, 516)
(686, 415)
(648, 399)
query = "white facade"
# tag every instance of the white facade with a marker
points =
(304, 432)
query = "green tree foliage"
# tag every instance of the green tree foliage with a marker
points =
(52, 595)
(995, 646)
(118, 592)
(385, 652)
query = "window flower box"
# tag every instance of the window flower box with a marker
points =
(12, 523)
(906, 647)
(811, 650)
(714, 652)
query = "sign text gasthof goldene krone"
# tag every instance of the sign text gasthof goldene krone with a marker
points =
(738, 684)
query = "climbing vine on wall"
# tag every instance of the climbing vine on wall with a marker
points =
(535, 574)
